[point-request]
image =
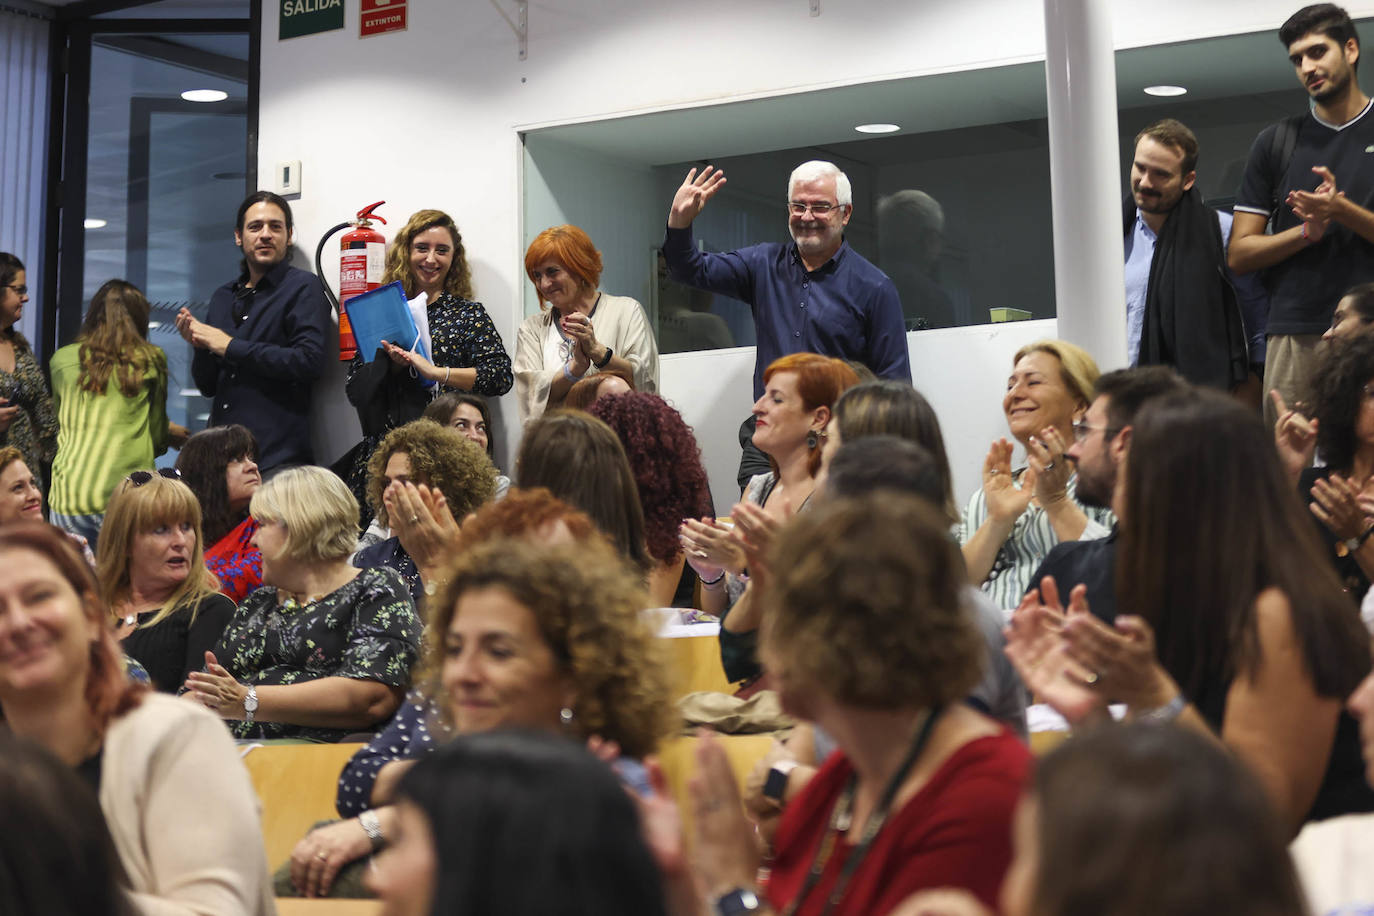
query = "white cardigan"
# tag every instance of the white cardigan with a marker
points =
(619, 323)
(183, 813)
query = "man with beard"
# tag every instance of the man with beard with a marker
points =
(262, 346)
(1314, 176)
(1101, 441)
(814, 295)
(1181, 305)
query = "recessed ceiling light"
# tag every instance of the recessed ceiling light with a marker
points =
(94, 224)
(1165, 91)
(877, 128)
(205, 95)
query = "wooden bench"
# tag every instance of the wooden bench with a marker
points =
(297, 784)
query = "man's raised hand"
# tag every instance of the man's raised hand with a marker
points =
(692, 196)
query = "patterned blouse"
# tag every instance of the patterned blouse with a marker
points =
(235, 562)
(366, 630)
(34, 429)
(415, 730)
(463, 335)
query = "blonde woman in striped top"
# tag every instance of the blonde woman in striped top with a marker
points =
(110, 387)
(1014, 519)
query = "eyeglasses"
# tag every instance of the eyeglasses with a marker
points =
(21, 289)
(798, 208)
(1082, 429)
(139, 478)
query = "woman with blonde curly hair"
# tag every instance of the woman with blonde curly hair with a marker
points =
(540, 630)
(442, 459)
(465, 352)
(580, 330)
(164, 604)
(110, 387)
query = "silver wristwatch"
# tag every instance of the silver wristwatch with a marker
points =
(372, 826)
(250, 705)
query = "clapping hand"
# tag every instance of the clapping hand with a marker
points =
(1006, 501)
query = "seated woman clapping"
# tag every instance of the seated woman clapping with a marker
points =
(438, 457)
(323, 649)
(1233, 622)
(543, 632)
(867, 637)
(165, 606)
(176, 798)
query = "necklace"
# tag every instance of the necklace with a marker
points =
(841, 819)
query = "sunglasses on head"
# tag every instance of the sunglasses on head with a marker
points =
(139, 478)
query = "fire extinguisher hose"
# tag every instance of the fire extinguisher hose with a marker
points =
(319, 268)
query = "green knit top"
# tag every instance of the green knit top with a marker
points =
(102, 438)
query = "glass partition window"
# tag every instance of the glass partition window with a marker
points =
(954, 206)
(164, 176)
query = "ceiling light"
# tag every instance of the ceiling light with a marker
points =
(1165, 91)
(205, 95)
(877, 128)
(94, 224)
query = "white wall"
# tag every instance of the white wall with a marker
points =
(430, 118)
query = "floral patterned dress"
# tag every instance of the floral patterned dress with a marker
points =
(366, 630)
(34, 430)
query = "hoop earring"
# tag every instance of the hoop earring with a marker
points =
(812, 440)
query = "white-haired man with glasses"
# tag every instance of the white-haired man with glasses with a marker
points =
(815, 294)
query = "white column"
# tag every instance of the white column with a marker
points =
(1080, 76)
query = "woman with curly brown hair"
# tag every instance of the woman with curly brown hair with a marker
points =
(110, 387)
(439, 457)
(465, 352)
(521, 634)
(1338, 492)
(666, 463)
(866, 634)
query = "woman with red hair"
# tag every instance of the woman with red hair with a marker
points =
(579, 329)
(792, 418)
(153, 761)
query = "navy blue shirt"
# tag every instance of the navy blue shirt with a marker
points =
(846, 308)
(265, 377)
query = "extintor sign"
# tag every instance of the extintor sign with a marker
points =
(380, 16)
(306, 17)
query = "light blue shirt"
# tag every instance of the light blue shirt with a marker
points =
(1140, 253)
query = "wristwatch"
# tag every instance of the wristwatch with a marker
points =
(740, 900)
(1355, 543)
(250, 705)
(605, 360)
(775, 786)
(372, 826)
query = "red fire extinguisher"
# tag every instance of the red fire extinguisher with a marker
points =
(362, 260)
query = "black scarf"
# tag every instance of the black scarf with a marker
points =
(1192, 321)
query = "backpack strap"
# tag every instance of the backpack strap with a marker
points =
(1281, 147)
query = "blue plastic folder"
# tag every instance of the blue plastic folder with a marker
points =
(379, 315)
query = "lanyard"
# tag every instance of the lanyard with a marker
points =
(840, 821)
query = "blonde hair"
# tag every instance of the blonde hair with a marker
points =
(136, 510)
(1077, 369)
(319, 512)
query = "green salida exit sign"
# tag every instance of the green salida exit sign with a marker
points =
(306, 17)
